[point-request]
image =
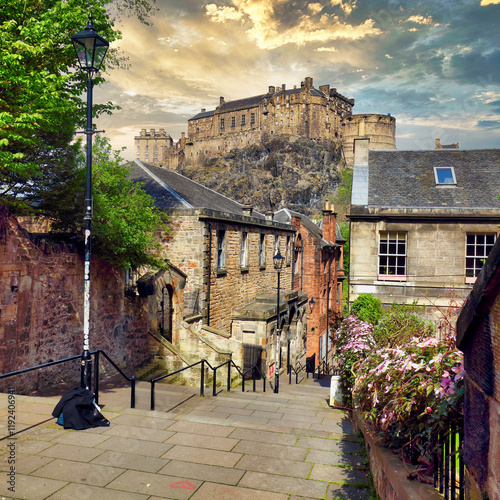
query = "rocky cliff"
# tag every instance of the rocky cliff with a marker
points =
(295, 173)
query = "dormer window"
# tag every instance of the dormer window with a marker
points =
(445, 176)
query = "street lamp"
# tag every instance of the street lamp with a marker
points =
(278, 260)
(311, 305)
(90, 50)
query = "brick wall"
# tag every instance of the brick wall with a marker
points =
(41, 310)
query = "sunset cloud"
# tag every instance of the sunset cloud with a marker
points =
(267, 32)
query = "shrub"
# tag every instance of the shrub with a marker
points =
(367, 308)
(399, 326)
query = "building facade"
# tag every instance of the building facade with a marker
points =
(422, 224)
(302, 111)
(318, 272)
(226, 251)
(151, 146)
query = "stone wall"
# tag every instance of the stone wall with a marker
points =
(478, 330)
(212, 293)
(435, 262)
(41, 311)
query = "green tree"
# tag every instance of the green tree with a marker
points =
(40, 105)
(367, 307)
(125, 220)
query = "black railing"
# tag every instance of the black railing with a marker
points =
(449, 470)
(299, 368)
(96, 355)
(256, 373)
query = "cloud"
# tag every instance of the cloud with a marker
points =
(347, 7)
(270, 32)
(419, 19)
(326, 49)
(315, 8)
(492, 124)
(489, 2)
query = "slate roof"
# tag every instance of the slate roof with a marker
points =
(203, 114)
(172, 190)
(285, 216)
(405, 179)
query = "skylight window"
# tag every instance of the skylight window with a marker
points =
(445, 176)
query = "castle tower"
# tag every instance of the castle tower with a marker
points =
(380, 129)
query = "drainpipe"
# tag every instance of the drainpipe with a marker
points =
(293, 260)
(209, 271)
(302, 266)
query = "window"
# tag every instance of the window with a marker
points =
(288, 256)
(222, 123)
(244, 250)
(477, 249)
(276, 244)
(262, 250)
(221, 247)
(242, 120)
(233, 121)
(445, 176)
(252, 119)
(392, 256)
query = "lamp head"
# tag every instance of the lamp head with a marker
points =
(90, 48)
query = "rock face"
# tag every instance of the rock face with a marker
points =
(295, 173)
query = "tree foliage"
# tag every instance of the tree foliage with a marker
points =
(40, 88)
(125, 218)
(367, 308)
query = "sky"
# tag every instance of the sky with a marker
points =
(434, 65)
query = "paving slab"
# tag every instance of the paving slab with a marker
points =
(203, 456)
(225, 492)
(244, 445)
(214, 473)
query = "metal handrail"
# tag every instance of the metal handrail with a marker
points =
(230, 362)
(96, 372)
(297, 371)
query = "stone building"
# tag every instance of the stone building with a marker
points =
(226, 251)
(478, 328)
(151, 145)
(318, 272)
(304, 111)
(422, 223)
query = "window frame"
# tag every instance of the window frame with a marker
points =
(262, 250)
(221, 249)
(388, 256)
(244, 250)
(444, 184)
(474, 269)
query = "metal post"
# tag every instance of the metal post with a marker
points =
(202, 382)
(86, 358)
(214, 385)
(152, 395)
(229, 375)
(277, 363)
(132, 392)
(96, 377)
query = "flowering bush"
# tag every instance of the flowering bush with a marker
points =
(354, 340)
(409, 392)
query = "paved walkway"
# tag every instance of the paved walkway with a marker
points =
(238, 445)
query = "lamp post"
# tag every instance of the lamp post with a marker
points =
(278, 260)
(90, 50)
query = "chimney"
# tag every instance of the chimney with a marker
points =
(247, 210)
(272, 89)
(152, 132)
(325, 89)
(283, 87)
(329, 223)
(203, 110)
(269, 216)
(143, 131)
(438, 144)
(309, 83)
(361, 150)
(221, 100)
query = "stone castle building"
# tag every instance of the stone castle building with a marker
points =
(321, 114)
